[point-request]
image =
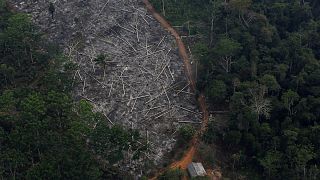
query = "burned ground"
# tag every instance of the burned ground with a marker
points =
(142, 84)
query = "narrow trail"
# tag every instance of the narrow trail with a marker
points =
(189, 154)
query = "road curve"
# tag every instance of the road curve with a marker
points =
(189, 154)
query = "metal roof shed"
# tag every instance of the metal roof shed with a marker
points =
(196, 169)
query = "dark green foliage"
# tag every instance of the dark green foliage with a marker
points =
(110, 143)
(174, 174)
(186, 133)
(43, 133)
(211, 135)
(263, 57)
(217, 90)
(39, 140)
(101, 60)
(201, 178)
(232, 138)
(51, 9)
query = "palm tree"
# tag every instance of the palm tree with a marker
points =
(51, 9)
(102, 60)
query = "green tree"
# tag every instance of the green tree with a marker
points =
(44, 134)
(232, 138)
(111, 143)
(241, 6)
(289, 99)
(33, 105)
(299, 156)
(51, 9)
(175, 174)
(225, 50)
(272, 162)
(7, 74)
(186, 133)
(217, 91)
(270, 82)
(102, 60)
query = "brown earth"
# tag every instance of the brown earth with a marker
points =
(188, 156)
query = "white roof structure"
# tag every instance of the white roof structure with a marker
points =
(196, 169)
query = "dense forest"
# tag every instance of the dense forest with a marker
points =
(44, 134)
(259, 60)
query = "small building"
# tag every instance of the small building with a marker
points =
(196, 169)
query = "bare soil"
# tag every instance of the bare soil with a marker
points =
(190, 153)
(143, 85)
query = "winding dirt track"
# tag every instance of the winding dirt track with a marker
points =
(188, 156)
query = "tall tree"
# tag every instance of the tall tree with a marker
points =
(225, 50)
(289, 99)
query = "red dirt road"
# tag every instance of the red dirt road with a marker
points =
(182, 50)
(188, 156)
